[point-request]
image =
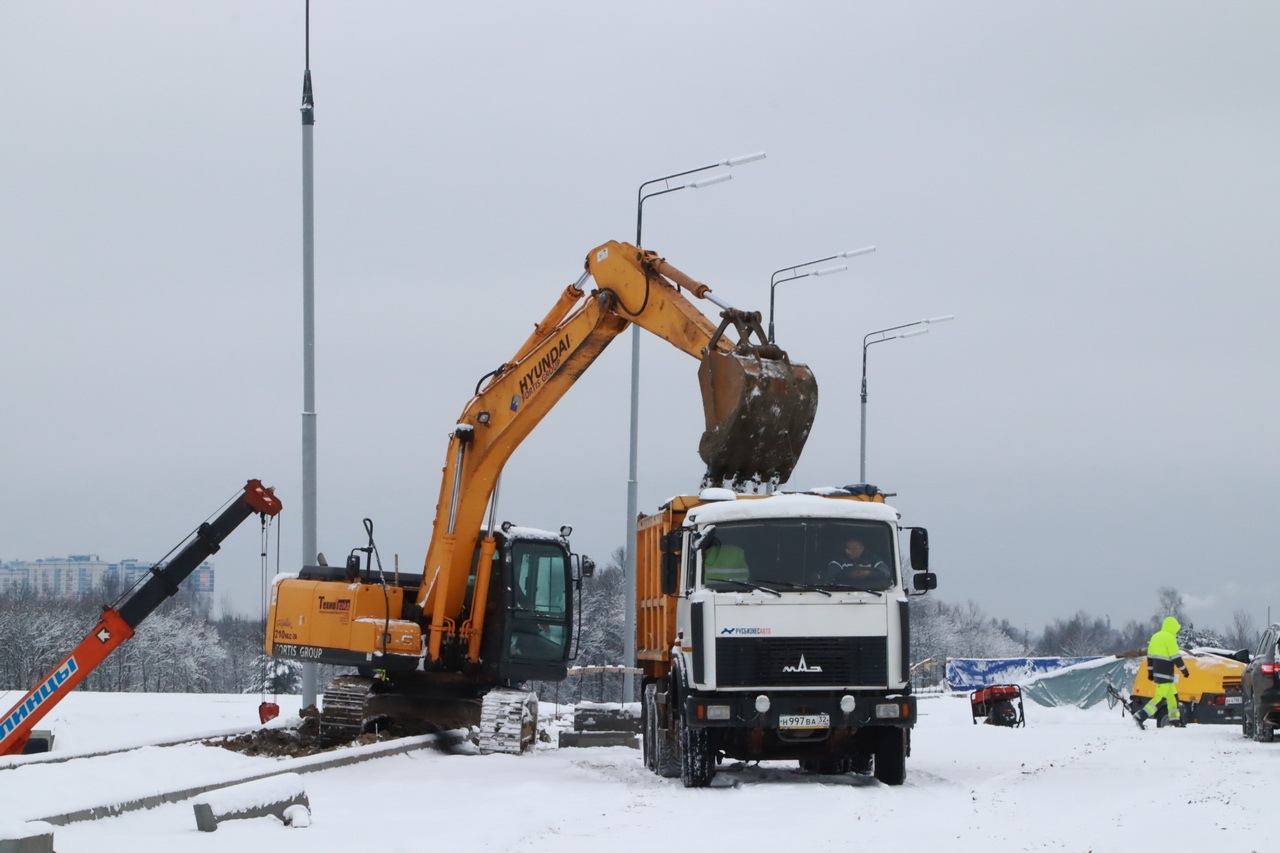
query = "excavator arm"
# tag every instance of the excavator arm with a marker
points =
(758, 407)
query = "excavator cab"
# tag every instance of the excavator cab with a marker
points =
(758, 407)
(532, 608)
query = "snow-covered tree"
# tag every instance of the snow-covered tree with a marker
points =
(274, 677)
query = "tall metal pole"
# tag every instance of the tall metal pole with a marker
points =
(862, 431)
(309, 548)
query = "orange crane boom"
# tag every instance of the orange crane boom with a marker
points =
(118, 624)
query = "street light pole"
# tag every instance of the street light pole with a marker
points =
(310, 673)
(867, 342)
(774, 281)
(629, 569)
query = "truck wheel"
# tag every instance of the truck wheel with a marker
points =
(697, 760)
(891, 756)
(661, 755)
(667, 754)
(649, 727)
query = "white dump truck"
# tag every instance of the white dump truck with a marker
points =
(777, 627)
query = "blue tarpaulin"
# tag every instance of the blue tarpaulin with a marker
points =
(972, 673)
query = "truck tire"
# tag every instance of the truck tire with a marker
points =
(660, 753)
(890, 756)
(697, 759)
(649, 727)
(666, 754)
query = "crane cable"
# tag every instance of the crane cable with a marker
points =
(266, 710)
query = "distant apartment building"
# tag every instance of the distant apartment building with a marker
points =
(82, 574)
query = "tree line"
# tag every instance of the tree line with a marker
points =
(178, 649)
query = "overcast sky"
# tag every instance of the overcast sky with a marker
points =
(1089, 187)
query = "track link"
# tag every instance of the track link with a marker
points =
(508, 721)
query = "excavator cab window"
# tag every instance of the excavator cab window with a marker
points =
(538, 601)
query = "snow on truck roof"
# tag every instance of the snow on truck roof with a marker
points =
(791, 506)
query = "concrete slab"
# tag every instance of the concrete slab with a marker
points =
(277, 795)
(34, 836)
(585, 739)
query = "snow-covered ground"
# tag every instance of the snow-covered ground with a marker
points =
(1072, 779)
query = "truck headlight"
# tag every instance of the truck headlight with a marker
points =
(888, 712)
(717, 712)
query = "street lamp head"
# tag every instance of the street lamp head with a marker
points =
(707, 182)
(910, 334)
(944, 318)
(865, 250)
(745, 158)
(826, 270)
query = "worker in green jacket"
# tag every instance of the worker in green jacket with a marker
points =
(1163, 657)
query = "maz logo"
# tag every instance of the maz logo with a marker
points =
(803, 667)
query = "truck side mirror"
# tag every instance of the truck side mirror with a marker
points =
(925, 581)
(588, 566)
(353, 567)
(920, 550)
(670, 580)
(670, 573)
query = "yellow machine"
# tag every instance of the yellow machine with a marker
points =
(494, 606)
(1210, 694)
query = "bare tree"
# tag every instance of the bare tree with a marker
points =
(1243, 633)
(1080, 636)
(1170, 603)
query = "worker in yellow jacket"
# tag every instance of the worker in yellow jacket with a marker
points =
(1163, 657)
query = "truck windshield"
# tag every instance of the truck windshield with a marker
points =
(801, 553)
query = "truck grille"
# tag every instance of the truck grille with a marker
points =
(801, 661)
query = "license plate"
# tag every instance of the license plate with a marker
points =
(1235, 700)
(804, 721)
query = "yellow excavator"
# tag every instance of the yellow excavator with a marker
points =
(494, 605)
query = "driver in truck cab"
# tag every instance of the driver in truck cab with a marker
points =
(857, 567)
(722, 562)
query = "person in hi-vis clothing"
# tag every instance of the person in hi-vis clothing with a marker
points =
(1163, 657)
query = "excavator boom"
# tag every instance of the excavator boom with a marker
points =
(758, 405)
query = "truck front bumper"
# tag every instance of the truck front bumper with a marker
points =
(802, 714)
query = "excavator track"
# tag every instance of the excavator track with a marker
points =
(508, 721)
(342, 714)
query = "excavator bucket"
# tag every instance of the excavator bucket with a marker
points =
(759, 408)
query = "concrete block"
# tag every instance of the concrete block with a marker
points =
(278, 795)
(34, 836)
(41, 740)
(572, 739)
(590, 717)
